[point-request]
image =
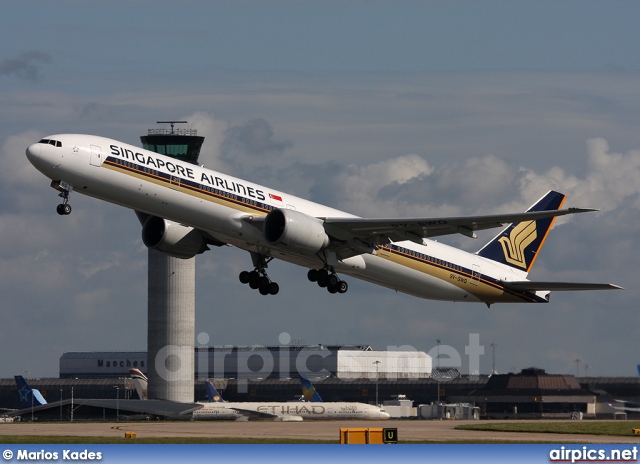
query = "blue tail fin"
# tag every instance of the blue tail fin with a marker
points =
(518, 244)
(28, 396)
(638, 369)
(212, 394)
(309, 391)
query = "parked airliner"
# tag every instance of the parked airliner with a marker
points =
(184, 209)
(218, 409)
(286, 411)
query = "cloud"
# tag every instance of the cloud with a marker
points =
(611, 178)
(255, 137)
(25, 65)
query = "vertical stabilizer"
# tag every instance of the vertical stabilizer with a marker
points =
(140, 381)
(28, 397)
(519, 243)
(212, 394)
(309, 391)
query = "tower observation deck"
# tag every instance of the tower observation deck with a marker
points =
(181, 144)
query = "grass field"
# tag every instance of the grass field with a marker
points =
(609, 428)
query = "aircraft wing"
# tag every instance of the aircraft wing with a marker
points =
(528, 286)
(382, 231)
(251, 414)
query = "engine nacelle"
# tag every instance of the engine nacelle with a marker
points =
(295, 231)
(172, 238)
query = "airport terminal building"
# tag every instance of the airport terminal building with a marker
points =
(262, 362)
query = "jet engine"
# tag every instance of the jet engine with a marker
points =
(172, 238)
(295, 231)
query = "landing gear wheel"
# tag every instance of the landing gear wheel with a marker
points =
(322, 283)
(332, 280)
(264, 290)
(342, 287)
(274, 288)
(332, 289)
(63, 209)
(254, 280)
(244, 277)
(312, 275)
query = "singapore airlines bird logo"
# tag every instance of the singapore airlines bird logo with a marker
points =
(519, 239)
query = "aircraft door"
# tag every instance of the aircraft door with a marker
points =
(475, 274)
(96, 155)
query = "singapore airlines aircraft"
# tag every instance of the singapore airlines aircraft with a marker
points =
(186, 208)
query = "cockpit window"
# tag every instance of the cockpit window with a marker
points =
(55, 143)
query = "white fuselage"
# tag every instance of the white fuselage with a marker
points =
(290, 411)
(217, 203)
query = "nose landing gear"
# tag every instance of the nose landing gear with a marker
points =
(64, 208)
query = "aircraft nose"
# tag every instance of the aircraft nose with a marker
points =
(33, 152)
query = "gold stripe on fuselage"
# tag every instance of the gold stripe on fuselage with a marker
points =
(481, 288)
(198, 192)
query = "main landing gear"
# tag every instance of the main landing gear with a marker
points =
(258, 278)
(329, 279)
(64, 208)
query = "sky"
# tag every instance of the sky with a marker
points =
(378, 108)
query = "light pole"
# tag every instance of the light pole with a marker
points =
(377, 377)
(493, 367)
(117, 402)
(438, 368)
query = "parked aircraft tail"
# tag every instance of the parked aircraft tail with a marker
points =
(140, 381)
(519, 243)
(212, 394)
(28, 396)
(309, 392)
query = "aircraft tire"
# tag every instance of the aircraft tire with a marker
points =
(254, 280)
(264, 290)
(63, 209)
(342, 287)
(332, 280)
(244, 277)
(274, 288)
(332, 289)
(322, 283)
(312, 275)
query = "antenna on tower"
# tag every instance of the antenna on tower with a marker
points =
(172, 123)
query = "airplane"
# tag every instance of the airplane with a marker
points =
(266, 411)
(29, 397)
(185, 208)
(285, 411)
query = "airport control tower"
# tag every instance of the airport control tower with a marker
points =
(171, 290)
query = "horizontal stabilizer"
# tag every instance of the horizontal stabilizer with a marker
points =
(526, 285)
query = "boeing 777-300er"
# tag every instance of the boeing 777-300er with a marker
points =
(185, 208)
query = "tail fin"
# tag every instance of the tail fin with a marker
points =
(212, 394)
(309, 391)
(141, 382)
(519, 243)
(28, 397)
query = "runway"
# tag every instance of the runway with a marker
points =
(408, 430)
